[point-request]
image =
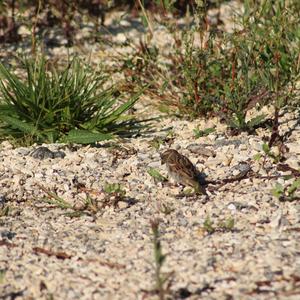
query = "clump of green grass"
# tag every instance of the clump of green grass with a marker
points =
(87, 206)
(113, 193)
(69, 105)
(114, 189)
(53, 199)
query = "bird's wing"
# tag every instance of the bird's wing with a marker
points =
(184, 165)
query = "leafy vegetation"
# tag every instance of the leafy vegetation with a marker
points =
(222, 226)
(288, 192)
(67, 106)
(200, 133)
(154, 173)
(212, 72)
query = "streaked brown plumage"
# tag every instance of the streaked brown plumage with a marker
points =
(181, 169)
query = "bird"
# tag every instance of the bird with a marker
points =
(182, 170)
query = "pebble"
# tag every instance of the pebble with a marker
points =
(294, 147)
(257, 146)
(5, 145)
(293, 161)
(122, 204)
(201, 150)
(231, 206)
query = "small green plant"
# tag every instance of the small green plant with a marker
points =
(156, 142)
(200, 133)
(287, 193)
(269, 153)
(90, 204)
(162, 281)
(114, 193)
(67, 106)
(226, 225)
(208, 225)
(87, 206)
(154, 173)
(114, 189)
(228, 74)
(54, 199)
(238, 122)
(276, 158)
(222, 226)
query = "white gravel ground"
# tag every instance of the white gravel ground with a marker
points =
(47, 254)
(110, 255)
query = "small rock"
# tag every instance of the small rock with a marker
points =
(278, 221)
(201, 150)
(293, 162)
(212, 137)
(154, 164)
(5, 145)
(79, 205)
(44, 152)
(23, 151)
(232, 207)
(276, 151)
(24, 30)
(121, 37)
(213, 162)
(183, 222)
(255, 145)
(242, 147)
(122, 205)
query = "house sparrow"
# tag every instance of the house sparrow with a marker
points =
(182, 170)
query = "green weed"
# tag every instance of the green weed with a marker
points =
(154, 173)
(208, 225)
(53, 199)
(222, 226)
(200, 133)
(114, 193)
(288, 192)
